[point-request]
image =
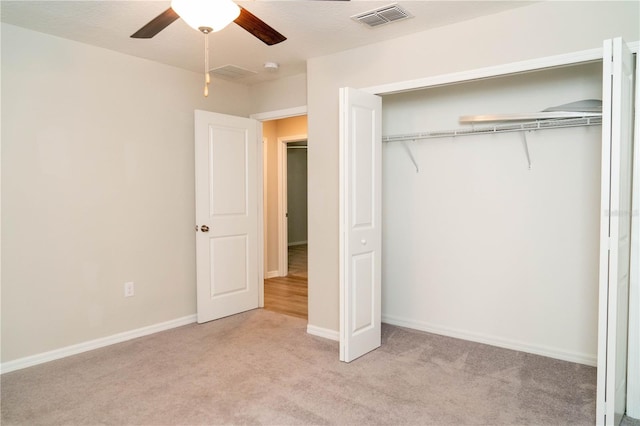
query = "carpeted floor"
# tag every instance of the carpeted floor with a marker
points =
(628, 421)
(261, 367)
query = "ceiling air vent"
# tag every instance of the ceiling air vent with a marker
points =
(381, 16)
(231, 72)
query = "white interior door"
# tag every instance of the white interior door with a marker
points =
(228, 267)
(615, 231)
(633, 369)
(360, 223)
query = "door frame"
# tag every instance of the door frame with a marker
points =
(633, 367)
(283, 206)
(269, 116)
(263, 242)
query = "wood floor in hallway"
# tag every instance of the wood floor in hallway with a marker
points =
(288, 295)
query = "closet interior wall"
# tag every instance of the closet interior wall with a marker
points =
(476, 245)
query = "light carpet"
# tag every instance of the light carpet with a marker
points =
(261, 367)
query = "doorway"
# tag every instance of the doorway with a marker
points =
(285, 200)
(292, 212)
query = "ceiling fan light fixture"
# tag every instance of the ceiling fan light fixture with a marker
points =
(213, 14)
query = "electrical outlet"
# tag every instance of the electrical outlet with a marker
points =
(129, 290)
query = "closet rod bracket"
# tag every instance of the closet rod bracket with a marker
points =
(526, 148)
(410, 153)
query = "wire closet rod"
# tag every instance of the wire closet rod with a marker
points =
(499, 128)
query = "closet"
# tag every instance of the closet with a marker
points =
(519, 239)
(486, 236)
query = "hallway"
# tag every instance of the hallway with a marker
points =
(288, 295)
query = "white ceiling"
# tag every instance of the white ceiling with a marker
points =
(312, 28)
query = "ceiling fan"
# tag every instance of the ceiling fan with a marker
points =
(210, 16)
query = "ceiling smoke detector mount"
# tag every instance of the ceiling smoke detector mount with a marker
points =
(271, 66)
(383, 15)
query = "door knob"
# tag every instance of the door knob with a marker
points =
(204, 228)
(363, 242)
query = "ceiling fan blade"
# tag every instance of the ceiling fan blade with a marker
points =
(258, 28)
(156, 25)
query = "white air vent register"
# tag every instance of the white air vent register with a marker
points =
(381, 16)
(232, 72)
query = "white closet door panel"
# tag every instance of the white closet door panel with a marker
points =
(360, 227)
(633, 370)
(617, 130)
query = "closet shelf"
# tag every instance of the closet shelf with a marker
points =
(587, 120)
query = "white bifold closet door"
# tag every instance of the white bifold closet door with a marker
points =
(360, 223)
(615, 226)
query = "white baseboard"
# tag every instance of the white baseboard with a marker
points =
(579, 358)
(272, 274)
(323, 332)
(32, 360)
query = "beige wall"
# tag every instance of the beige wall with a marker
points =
(97, 190)
(97, 163)
(271, 131)
(279, 94)
(540, 30)
(270, 136)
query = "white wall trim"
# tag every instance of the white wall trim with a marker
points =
(283, 254)
(271, 274)
(90, 345)
(323, 332)
(494, 71)
(282, 113)
(265, 237)
(579, 358)
(261, 209)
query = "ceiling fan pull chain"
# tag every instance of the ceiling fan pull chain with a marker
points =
(207, 77)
